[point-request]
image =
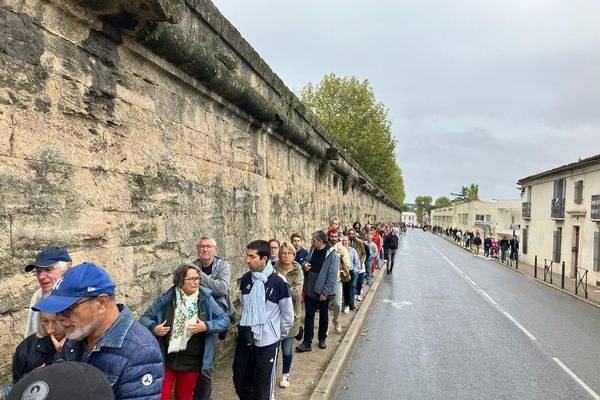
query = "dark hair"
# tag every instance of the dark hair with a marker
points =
(321, 236)
(274, 240)
(356, 223)
(295, 235)
(261, 246)
(179, 273)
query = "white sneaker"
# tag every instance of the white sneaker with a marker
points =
(346, 310)
(359, 298)
(285, 380)
(337, 327)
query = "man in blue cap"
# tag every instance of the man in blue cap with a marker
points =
(105, 334)
(49, 265)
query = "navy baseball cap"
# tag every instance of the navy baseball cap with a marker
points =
(83, 280)
(63, 380)
(49, 257)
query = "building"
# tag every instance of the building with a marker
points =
(409, 218)
(500, 218)
(561, 216)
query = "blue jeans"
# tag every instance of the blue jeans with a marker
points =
(311, 306)
(286, 351)
(359, 282)
(368, 266)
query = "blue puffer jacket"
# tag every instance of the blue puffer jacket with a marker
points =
(216, 321)
(129, 357)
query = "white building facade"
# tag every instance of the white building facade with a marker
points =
(561, 217)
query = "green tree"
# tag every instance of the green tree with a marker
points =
(347, 108)
(423, 207)
(442, 202)
(466, 193)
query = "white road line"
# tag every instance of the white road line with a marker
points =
(470, 280)
(459, 270)
(577, 379)
(488, 297)
(521, 327)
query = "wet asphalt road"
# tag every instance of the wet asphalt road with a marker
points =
(450, 325)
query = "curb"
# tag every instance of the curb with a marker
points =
(590, 302)
(326, 387)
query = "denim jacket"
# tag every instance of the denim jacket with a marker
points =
(128, 355)
(216, 321)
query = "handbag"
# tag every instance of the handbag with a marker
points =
(345, 274)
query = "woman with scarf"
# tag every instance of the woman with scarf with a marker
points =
(295, 277)
(183, 320)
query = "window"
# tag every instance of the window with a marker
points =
(481, 219)
(578, 196)
(556, 244)
(558, 199)
(525, 239)
(595, 211)
(596, 264)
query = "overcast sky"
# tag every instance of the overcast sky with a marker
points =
(483, 92)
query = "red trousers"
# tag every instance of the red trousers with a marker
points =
(184, 381)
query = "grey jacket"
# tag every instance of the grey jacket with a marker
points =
(326, 282)
(218, 282)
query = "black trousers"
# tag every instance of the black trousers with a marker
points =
(310, 307)
(254, 370)
(390, 263)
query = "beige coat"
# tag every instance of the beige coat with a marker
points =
(295, 279)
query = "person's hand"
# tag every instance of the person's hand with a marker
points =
(322, 297)
(58, 345)
(161, 330)
(198, 327)
(307, 267)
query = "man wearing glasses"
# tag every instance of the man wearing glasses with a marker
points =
(104, 334)
(216, 276)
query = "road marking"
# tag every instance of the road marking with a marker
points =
(396, 304)
(521, 327)
(576, 378)
(488, 297)
(460, 271)
(471, 280)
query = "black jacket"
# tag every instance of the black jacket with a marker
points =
(31, 353)
(391, 242)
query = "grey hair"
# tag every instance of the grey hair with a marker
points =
(214, 242)
(62, 265)
(179, 273)
(321, 236)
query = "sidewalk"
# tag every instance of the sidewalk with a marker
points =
(314, 374)
(528, 270)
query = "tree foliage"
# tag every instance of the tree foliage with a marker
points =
(442, 202)
(423, 207)
(347, 108)
(466, 193)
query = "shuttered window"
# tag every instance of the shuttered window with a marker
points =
(578, 197)
(596, 251)
(525, 240)
(556, 242)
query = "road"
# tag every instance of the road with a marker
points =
(450, 325)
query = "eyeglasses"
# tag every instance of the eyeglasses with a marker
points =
(67, 311)
(193, 279)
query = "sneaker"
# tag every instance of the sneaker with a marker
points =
(322, 344)
(352, 308)
(337, 327)
(359, 297)
(346, 310)
(304, 347)
(285, 381)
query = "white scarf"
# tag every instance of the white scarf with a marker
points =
(253, 312)
(186, 310)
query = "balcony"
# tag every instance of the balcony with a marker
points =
(526, 211)
(557, 208)
(595, 211)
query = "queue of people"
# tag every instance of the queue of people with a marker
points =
(171, 351)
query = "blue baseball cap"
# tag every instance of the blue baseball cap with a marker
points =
(83, 280)
(48, 257)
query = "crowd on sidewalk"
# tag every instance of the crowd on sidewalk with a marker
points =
(76, 325)
(502, 249)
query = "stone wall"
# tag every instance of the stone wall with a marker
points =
(125, 146)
